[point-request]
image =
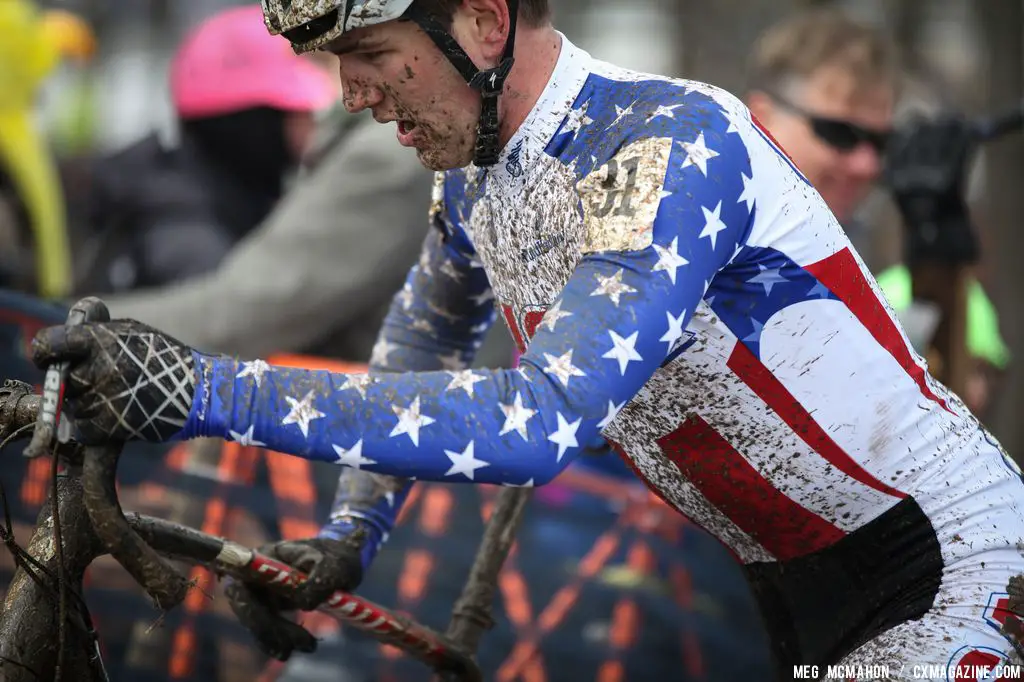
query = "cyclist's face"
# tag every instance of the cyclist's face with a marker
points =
(398, 73)
(843, 174)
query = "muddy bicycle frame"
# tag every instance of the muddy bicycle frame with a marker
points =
(92, 524)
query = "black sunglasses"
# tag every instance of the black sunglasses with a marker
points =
(842, 135)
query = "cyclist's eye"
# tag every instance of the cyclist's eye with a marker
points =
(374, 56)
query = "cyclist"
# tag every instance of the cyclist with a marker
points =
(678, 289)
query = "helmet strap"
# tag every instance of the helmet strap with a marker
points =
(490, 82)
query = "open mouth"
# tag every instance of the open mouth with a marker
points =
(406, 126)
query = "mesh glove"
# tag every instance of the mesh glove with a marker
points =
(330, 565)
(127, 381)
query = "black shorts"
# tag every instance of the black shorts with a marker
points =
(820, 607)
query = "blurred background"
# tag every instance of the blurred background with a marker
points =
(110, 89)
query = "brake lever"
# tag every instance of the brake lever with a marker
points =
(89, 309)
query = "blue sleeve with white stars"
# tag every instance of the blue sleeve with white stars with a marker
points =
(619, 317)
(437, 321)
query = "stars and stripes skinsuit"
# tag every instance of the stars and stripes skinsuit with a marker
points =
(680, 290)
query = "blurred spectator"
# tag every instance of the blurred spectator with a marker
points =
(826, 86)
(34, 254)
(149, 215)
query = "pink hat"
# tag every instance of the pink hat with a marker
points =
(230, 63)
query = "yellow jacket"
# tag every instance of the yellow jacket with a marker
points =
(31, 45)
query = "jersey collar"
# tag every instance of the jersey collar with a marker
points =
(527, 144)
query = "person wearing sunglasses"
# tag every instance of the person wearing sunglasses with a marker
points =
(825, 86)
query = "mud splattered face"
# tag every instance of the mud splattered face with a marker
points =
(398, 73)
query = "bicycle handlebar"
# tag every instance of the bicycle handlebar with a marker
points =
(161, 581)
(86, 310)
(19, 409)
(249, 565)
(99, 474)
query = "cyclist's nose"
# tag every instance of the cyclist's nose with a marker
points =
(357, 95)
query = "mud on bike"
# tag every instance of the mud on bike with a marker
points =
(46, 632)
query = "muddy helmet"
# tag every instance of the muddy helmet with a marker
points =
(311, 24)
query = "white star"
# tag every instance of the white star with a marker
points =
(698, 154)
(755, 335)
(565, 435)
(302, 413)
(714, 224)
(448, 268)
(669, 259)
(464, 462)
(255, 369)
(562, 368)
(623, 350)
(553, 315)
(485, 296)
(464, 380)
(732, 127)
(357, 382)
(438, 310)
(819, 290)
(482, 327)
(768, 277)
(664, 194)
(424, 263)
(516, 417)
(422, 324)
(662, 110)
(612, 287)
(405, 296)
(452, 362)
(613, 411)
(739, 247)
(621, 113)
(577, 119)
(410, 421)
(674, 336)
(381, 350)
(246, 439)
(748, 192)
(352, 457)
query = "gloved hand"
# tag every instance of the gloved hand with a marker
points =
(926, 168)
(128, 381)
(330, 565)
